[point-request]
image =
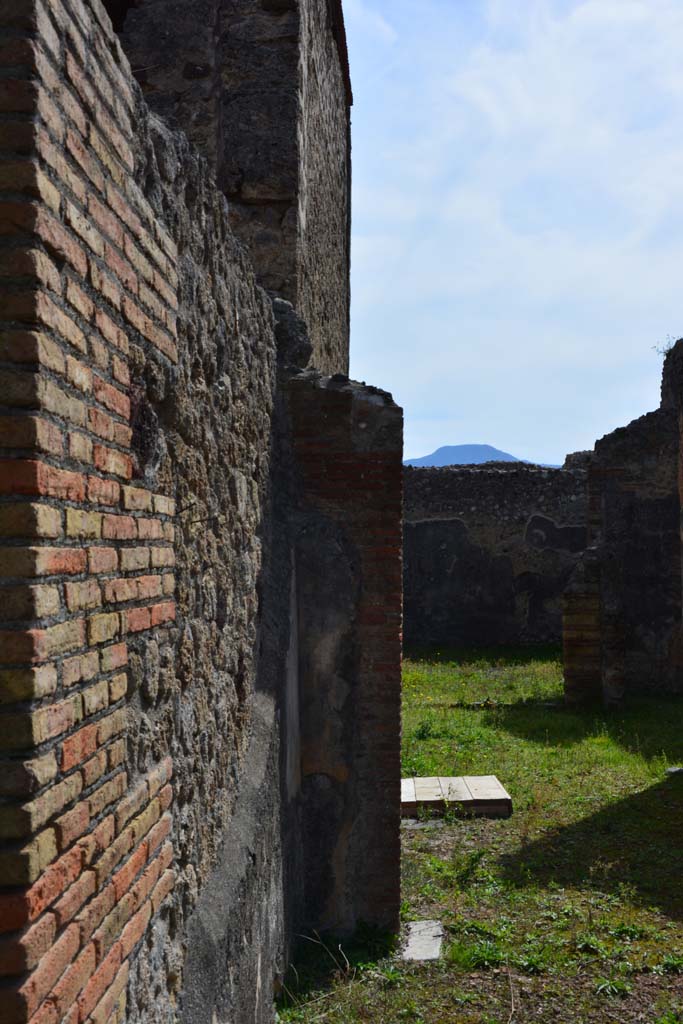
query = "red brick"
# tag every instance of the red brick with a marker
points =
(145, 884)
(111, 461)
(116, 591)
(124, 877)
(111, 332)
(123, 435)
(166, 797)
(113, 997)
(101, 423)
(80, 448)
(96, 697)
(114, 657)
(134, 558)
(59, 241)
(79, 223)
(122, 208)
(82, 595)
(137, 499)
(163, 505)
(31, 432)
(120, 371)
(118, 687)
(79, 747)
(32, 992)
(83, 666)
(135, 929)
(163, 612)
(72, 825)
(19, 96)
(99, 354)
(160, 831)
(106, 221)
(111, 726)
(41, 644)
(55, 159)
(22, 952)
(27, 476)
(71, 983)
(122, 269)
(162, 889)
(100, 982)
(136, 619)
(30, 263)
(111, 397)
(56, 561)
(160, 775)
(162, 557)
(73, 899)
(119, 528)
(106, 830)
(95, 768)
(79, 300)
(95, 912)
(84, 160)
(116, 754)
(17, 346)
(107, 794)
(148, 586)
(150, 529)
(103, 492)
(105, 285)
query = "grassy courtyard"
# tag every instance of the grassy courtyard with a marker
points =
(572, 910)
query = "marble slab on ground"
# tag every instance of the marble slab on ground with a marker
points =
(479, 795)
(423, 941)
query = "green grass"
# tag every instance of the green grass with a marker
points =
(572, 910)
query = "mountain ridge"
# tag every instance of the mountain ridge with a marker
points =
(462, 455)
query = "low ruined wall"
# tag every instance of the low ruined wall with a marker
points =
(622, 625)
(488, 551)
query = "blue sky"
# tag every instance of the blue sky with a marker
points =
(518, 214)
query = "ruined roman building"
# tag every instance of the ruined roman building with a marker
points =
(622, 621)
(589, 555)
(200, 515)
(489, 551)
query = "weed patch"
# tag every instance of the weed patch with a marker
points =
(573, 908)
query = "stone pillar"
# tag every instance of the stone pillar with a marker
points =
(347, 441)
(581, 632)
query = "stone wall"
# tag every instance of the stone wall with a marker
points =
(622, 632)
(262, 88)
(488, 551)
(160, 481)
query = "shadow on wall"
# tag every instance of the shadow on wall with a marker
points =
(468, 592)
(613, 848)
(117, 11)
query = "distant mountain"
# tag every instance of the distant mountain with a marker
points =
(462, 455)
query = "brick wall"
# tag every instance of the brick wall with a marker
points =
(86, 551)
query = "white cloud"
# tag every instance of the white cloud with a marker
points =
(361, 16)
(519, 214)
